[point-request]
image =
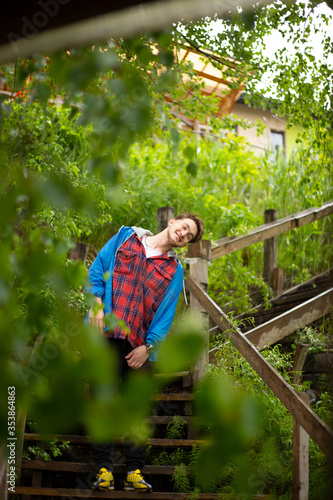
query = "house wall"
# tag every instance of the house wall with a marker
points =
(271, 122)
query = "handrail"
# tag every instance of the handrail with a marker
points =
(285, 324)
(233, 243)
(289, 397)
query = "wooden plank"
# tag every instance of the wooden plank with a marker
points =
(176, 396)
(164, 214)
(87, 440)
(270, 249)
(300, 356)
(156, 495)
(300, 292)
(271, 229)
(300, 461)
(320, 362)
(166, 419)
(199, 255)
(125, 23)
(314, 426)
(175, 442)
(88, 467)
(280, 327)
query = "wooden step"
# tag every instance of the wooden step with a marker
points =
(166, 419)
(78, 439)
(156, 495)
(174, 396)
(88, 467)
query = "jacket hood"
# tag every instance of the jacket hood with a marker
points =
(141, 232)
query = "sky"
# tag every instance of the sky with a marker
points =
(275, 41)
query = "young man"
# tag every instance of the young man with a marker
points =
(144, 283)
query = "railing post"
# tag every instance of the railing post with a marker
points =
(270, 249)
(272, 274)
(199, 255)
(300, 462)
(164, 214)
(300, 356)
(80, 252)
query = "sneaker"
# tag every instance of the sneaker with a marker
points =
(135, 482)
(104, 480)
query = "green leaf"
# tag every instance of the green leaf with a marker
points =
(180, 350)
(189, 152)
(192, 168)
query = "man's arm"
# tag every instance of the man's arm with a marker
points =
(137, 357)
(98, 318)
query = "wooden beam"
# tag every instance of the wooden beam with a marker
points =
(81, 439)
(283, 325)
(270, 249)
(156, 495)
(300, 461)
(289, 397)
(88, 467)
(300, 356)
(212, 78)
(198, 258)
(164, 214)
(127, 22)
(271, 229)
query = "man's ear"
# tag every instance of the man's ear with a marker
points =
(171, 221)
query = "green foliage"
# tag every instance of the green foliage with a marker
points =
(176, 457)
(180, 479)
(270, 452)
(53, 449)
(233, 420)
(318, 339)
(175, 428)
(179, 350)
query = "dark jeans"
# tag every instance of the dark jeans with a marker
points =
(103, 454)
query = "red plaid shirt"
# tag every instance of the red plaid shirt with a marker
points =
(138, 287)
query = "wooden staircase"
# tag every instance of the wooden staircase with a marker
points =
(287, 301)
(70, 478)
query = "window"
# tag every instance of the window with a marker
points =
(277, 141)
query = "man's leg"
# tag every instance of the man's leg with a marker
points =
(134, 452)
(103, 453)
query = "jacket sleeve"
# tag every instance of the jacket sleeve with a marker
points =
(165, 313)
(100, 266)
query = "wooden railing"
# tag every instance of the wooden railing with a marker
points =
(314, 426)
(271, 229)
(306, 422)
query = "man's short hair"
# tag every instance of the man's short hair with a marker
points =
(198, 222)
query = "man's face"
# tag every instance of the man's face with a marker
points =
(181, 232)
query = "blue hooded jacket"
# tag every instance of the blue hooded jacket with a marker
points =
(100, 276)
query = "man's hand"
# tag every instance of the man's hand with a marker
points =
(137, 357)
(97, 320)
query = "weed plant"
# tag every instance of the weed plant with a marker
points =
(53, 450)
